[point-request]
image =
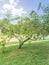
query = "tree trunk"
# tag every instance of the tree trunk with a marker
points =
(21, 43)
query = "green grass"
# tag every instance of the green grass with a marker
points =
(9, 43)
(36, 53)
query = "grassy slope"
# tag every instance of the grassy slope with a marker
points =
(30, 54)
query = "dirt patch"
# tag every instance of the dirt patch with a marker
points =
(11, 40)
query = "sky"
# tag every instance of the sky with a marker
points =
(20, 7)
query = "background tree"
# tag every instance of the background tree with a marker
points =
(45, 22)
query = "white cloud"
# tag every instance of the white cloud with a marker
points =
(12, 8)
(7, 6)
(19, 11)
(13, 2)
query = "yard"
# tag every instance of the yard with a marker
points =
(35, 53)
(24, 32)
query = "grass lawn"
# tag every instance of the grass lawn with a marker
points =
(36, 53)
